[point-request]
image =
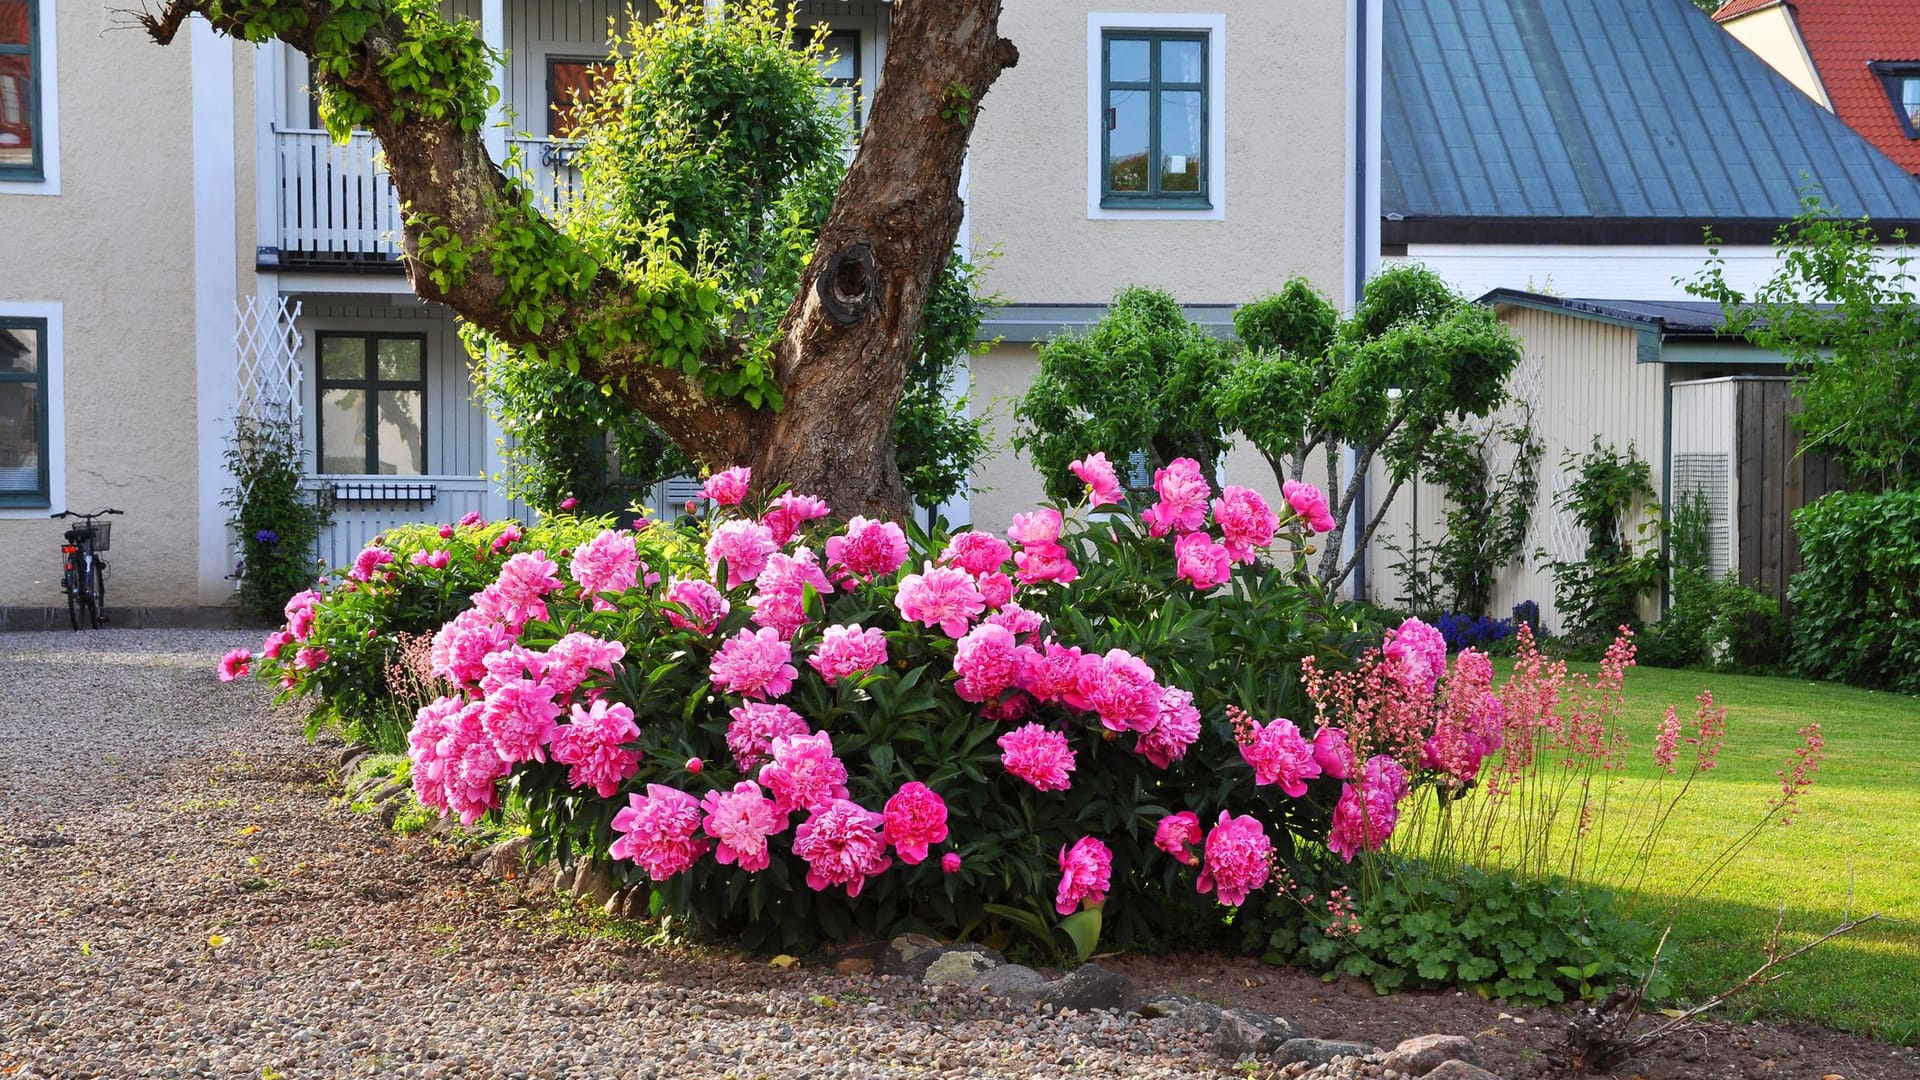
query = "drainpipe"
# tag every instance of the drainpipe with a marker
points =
(1364, 21)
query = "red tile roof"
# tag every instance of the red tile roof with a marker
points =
(1733, 9)
(1844, 37)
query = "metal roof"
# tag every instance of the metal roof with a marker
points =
(1591, 116)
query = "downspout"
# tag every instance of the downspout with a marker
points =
(1363, 238)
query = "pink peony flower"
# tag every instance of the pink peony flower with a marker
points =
(728, 487)
(950, 862)
(508, 537)
(1045, 562)
(804, 774)
(1246, 522)
(842, 846)
(1202, 562)
(569, 503)
(1183, 499)
(781, 600)
(1120, 688)
(1332, 754)
(455, 767)
(1177, 834)
(606, 563)
(471, 518)
(869, 549)
(1085, 874)
(741, 820)
(513, 662)
(847, 650)
(569, 661)
(754, 726)
(1309, 504)
(1055, 675)
(744, 546)
(658, 832)
(996, 589)
(275, 641)
(1179, 726)
(437, 559)
(234, 664)
(1024, 624)
(1367, 812)
(976, 552)
(915, 817)
(940, 596)
(1103, 486)
(310, 659)
(1041, 528)
(518, 595)
(1038, 756)
(1237, 858)
(988, 661)
(461, 647)
(300, 614)
(1279, 755)
(790, 511)
(519, 718)
(695, 766)
(368, 562)
(701, 600)
(592, 746)
(1420, 651)
(446, 532)
(755, 664)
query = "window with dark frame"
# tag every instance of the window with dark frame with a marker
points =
(1153, 119)
(23, 413)
(840, 70)
(20, 120)
(372, 398)
(571, 82)
(1902, 83)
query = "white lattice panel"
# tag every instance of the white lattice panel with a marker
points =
(267, 359)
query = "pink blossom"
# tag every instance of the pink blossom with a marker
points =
(1183, 499)
(1332, 754)
(1038, 756)
(607, 563)
(869, 549)
(915, 817)
(1176, 834)
(1309, 504)
(1368, 811)
(1056, 674)
(275, 641)
(370, 560)
(593, 746)
(472, 518)
(1421, 653)
(1203, 563)
(1167, 741)
(701, 600)
(728, 487)
(569, 660)
(519, 718)
(508, 537)
(695, 766)
(460, 648)
(1045, 562)
(1237, 858)
(950, 862)
(310, 659)
(1024, 624)
(300, 614)
(1246, 522)
(234, 664)
(781, 600)
(658, 831)
(847, 650)
(569, 503)
(755, 664)
(790, 511)
(744, 546)
(446, 532)
(1120, 688)
(940, 596)
(996, 589)
(455, 767)
(842, 846)
(1039, 528)
(804, 774)
(516, 661)
(754, 726)
(741, 820)
(1666, 747)
(1085, 875)
(517, 597)
(1097, 473)
(437, 559)
(976, 552)
(987, 660)
(1277, 752)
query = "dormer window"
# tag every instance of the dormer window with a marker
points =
(1902, 81)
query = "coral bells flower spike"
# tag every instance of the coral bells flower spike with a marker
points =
(740, 821)
(1277, 752)
(728, 487)
(1203, 563)
(804, 774)
(916, 817)
(1085, 874)
(1309, 504)
(754, 664)
(842, 846)
(745, 546)
(1238, 858)
(1103, 486)
(593, 746)
(1246, 522)
(1177, 835)
(658, 832)
(1038, 756)
(847, 650)
(1183, 499)
(754, 727)
(234, 664)
(868, 549)
(941, 596)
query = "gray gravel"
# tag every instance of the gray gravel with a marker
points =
(146, 809)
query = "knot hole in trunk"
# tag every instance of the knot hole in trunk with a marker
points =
(846, 284)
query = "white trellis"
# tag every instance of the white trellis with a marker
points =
(267, 359)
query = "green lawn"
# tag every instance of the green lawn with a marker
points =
(1856, 842)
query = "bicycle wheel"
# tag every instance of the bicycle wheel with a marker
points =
(70, 585)
(99, 591)
(88, 614)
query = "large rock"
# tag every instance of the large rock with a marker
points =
(958, 966)
(1090, 987)
(1243, 1032)
(902, 951)
(1458, 1070)
(1422, 1054)
(1165, 1005)
(1317, 1051)
(1015, 982)
(916, 966)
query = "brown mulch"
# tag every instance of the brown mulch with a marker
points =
(1516, 1042)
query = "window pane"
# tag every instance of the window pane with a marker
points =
(399, 359)
(1910, 100)
(16, 109)
(343, 358)
(19, 437)
(1127, 60)
(1127, 140)
(19, 350)
(842, 56)
(1180, 132)
(16, 22)
(343, 431)
(403, 446)
(1180, 62)
(570, 82)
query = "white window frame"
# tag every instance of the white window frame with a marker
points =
(1215, 27)
(55, 376)
(49, 132)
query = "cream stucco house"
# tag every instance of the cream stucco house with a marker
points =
(179, 237)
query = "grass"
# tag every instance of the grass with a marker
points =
(1852, 849)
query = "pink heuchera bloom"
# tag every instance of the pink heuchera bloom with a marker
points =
(744, 546)
(1368, 811)
(607, 563)
(1085, 874)
(1237, 858)
(781, 602)
(437, 559)
(518, 595)
(988, 661)
(1179, 726)
(1055, 675)
(519, 718)
(842, 845)
(300, 614)
(1309, 504)
(741, 820)
(1183, 499)
(996, 589)
(658, 832)
(1041, 528)
(847, 650)
(234, 664)
(275, 641)
(915, 817)
(1121, 690)
(1103, 486)
(754, 726)
(1203, 563)
(309, 659)
(1279, 755)
(950, 862)
(369, 561)
(1177, 834)
(455, 767)
(1045, 562)
(1246, 522)
(804, 774)
(940, 596)
(976, 552)
(1667, 746)
(869, 549)
(755, 664)
(728, 487)
(569, 660)
(1421, 653)
(702, 601)
(592, 745)
(1332, 754)
(1038, 756)
(790, 511)
(461, 647)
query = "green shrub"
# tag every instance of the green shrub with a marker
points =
(1856, 604)
(276, 521)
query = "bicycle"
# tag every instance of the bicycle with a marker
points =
(84, 574)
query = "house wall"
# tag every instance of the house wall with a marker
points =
(1597, 272)
(114, 249)
(1773, 36)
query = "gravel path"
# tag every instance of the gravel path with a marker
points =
(146, 811)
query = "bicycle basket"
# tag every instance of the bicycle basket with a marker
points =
(102, 534)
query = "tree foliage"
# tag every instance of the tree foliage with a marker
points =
(1600, 592)
(1491, 474)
